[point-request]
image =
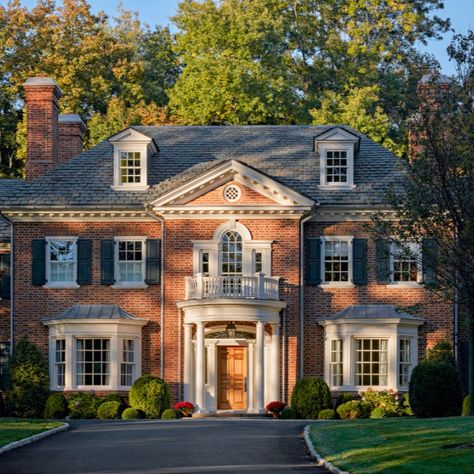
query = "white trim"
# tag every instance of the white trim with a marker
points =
(337, 284)
(337, 146)
(129, 284)
(60, 284)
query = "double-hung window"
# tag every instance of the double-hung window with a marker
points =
(371, 362)
(336, 365)
(336, 260)
(336, 167)
(405, 264)
(61, 258)
(127, 367)
(130, 260)
(130, 167)
(92, 362)
(60, 362)
(405, 364)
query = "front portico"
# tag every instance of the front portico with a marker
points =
(232, 352)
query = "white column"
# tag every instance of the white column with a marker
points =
(250, 379)
(211, 403)
(200, 368)
(276, 361)
(188, 363)
(259, 369)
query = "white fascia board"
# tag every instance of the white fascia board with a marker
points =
(91, 321)
(365, 322)
(338, 134)
(129, 135)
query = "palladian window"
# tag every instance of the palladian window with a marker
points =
(231, 254)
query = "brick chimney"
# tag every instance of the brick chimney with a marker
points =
(71, 131)
(42, 95)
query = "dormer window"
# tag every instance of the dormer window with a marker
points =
(336, 148)
(132, 154)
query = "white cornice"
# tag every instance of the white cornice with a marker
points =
(77, 216)
(347, 214)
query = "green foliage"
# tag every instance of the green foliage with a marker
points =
(151, 395)
(83, 405)
(3, 408)
(169, 414)
(27, 381)
(378, 412)
(109, 410)
(310, 396)
(116, 397)
(405, 404)
(384, 400)
(288, 413)
(353, 409)
(56, 406)
(465, 406)
(435, 390)
(327, 414)
(132, 414)
(441, 352)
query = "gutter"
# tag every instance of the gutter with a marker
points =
(162, 291)
(301, 282)
(10, 223)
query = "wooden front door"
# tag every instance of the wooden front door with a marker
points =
(231, 378)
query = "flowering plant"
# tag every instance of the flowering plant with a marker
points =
(275, 408)
(186, 408)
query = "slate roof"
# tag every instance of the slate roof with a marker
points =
(285, 153)
(371, 311)
(93, 311)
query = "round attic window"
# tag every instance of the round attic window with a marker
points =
(232, 193)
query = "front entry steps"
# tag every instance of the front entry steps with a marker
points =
(232, 414)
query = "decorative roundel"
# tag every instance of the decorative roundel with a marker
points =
(232, 193)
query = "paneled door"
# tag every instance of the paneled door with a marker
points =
(231, 378)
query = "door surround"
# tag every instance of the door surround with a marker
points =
(232, 377)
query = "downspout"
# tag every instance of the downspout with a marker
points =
(162, 291)
(301, 283)
(10, 223)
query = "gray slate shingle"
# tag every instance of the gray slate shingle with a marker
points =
(93, 311)
(371, 311)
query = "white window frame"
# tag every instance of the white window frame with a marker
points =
(338, 363)
(410, 362)
(128, 363)
(134, 148)
(349, 149)
(109, 361)
(56, 363)
(331, 238)
(65, 284)
(417, 253)
(129, 284)
(371, 373)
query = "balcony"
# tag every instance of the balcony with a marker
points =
(258, 287)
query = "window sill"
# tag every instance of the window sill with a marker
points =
(407, 284)
(337, 285)
(123, 187)
(61, 286)
(360, 388)
(129, 286)
(331, 187)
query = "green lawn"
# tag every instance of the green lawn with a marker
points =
(14, 429)
(397, 445)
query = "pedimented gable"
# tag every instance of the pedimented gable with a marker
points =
(255, 188)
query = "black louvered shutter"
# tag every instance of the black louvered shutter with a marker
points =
(84, 262)
(5, 276)
(38, 262)
(428, 263)
(107, 262)
(313, 262)
(153, 262)
(359, 261)
(383, 261)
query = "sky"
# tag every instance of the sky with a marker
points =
(159, 12)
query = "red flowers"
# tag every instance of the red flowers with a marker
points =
(186, 408)
(275, 408)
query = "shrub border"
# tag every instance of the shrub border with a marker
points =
(33, 438)
(317, 457)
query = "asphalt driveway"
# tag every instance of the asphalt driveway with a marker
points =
(208, 445)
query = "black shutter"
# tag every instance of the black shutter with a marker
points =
(153, 262)
(84, 262)
(107, 262)
(428, 263)
(359, 261)
(38, 262)
(383, 261)
(5, 276)
(313, 262)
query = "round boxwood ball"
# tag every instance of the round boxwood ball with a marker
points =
(109, 410)
(132, 414)
(310, 396)
(56, 406)
(169, 414)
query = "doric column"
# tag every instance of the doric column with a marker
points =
(200, 368)
(276, 361)
(188, 363)
(259, 369)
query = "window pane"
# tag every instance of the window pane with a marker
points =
(374, 369)
(231, 254)
(127, 367)
(92, 356)
(62, 260)
(336, 261)
(336, 167)
(130, 167)
(336, 365)
(130, 261)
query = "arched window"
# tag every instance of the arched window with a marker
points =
(231, 254)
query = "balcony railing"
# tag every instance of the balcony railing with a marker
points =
(244, 287)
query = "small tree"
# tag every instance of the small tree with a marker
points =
(27, 381)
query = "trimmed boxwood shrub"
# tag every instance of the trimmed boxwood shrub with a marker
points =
(27, 381)
(310, 396)
(132, 414)
(151, 395)
(288, 413)
(465, 406)
(378, 412)
(169, 414)
(353, 409)
(83, 405)
(116, 397)
(109, 410)
(327, 414)
(56, 406)
(435, 390)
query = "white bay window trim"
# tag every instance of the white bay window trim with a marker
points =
(129, 284)
(324, 240)
(69, 284)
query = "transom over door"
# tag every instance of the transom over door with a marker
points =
(232, 374)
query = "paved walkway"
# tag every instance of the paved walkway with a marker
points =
(209, 445)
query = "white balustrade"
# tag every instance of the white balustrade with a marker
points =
(246, 287)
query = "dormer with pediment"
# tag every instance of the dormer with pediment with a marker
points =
(335, 149)
(132, 152)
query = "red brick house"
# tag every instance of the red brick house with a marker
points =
(228, 260)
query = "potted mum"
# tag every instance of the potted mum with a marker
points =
(185, 408)
(275, 408)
